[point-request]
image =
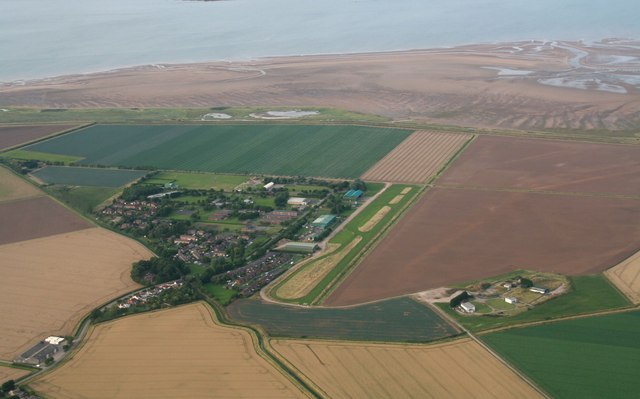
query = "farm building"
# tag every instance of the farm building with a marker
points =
(511, 300)
(324, 221)
(300, 247)
(539, 290)
(269, 186)
(353, 194)
(297, 201)
(468, 307)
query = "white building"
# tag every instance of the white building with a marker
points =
(511, 300)
(468, 307)
(539, 290)
(297, 201)
(269, 186)
(53, 340)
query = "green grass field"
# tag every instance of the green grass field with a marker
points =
(291, 150)
(42, 156)
(193, 180)
(220, 293)
(350, 232)
(76, 176)
(84, 199)
(593, 357)
(589, 294)
(396, 320)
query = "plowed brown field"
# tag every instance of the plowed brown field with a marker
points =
(8, 373)
(452, 236)
(12, 187)
(417, 158)
(460, 369)
(626, 276)
(549, 165)
(14, 135)
(176, 353)
(36, 217)
(48, 284)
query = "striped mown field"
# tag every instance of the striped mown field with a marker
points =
(417, 158)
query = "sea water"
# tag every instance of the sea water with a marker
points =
(41, 38)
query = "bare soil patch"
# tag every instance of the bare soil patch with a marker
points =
(12, 187)
(371, 223)
(452, 236)
(9, 373)
(460, 369)
(306, 279)
(48, 284)
(36, 217)
(626, 276)
(547, 165)
(396, 199)
(176, 353)
(406, 190)
(417, 158)
(11, 135)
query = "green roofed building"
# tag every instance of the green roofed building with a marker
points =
(353, 194)
(324, 221)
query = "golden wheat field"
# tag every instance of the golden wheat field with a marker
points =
(626, 276)
(10, 373)
(417, 158)
(48, 284)
(458, 369)
(13, 188)
(175, 353)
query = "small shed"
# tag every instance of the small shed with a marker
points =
(511, 300)
(269, 186)
(468, 307)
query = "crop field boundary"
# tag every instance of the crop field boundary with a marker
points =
(80, 126)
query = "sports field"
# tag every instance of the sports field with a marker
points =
(396, 320)
(31, 218)
(13, 188)
(48, 284)
(75, 176)
(626, 276)
(595, 357)
(417, 158)
(13, 135)
(200, 180)
(175, 353)
(459, 369)
(327, 151)
(454, 235)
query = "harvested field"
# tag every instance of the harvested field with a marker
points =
(48, 284)
(395, 320)
(313, 150)
(75, 176)
(176, 353)
(535, 164)
(459, 369)
(36, 217)
(626, 276)
(417, 158)
(10, 373)
(371, 223)
(452, 236)
(591, 357)
(304, 281)
(406, 190)
(396, 199)
(12, 187)
(11, 136)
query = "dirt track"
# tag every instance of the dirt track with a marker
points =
(34, 218)
(176, 353)
(460, 369)
(445, 86)
(452, 236)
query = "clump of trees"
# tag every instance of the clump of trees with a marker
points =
(158, 270)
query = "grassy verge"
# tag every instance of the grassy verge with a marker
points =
(41, 156)
(588, 294)
(348, 234)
